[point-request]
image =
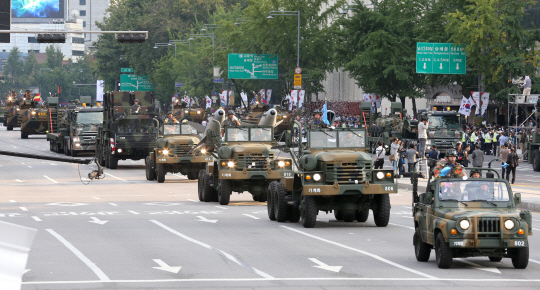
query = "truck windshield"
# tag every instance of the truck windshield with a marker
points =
(135, 125)
(470, 190)
(261, 134)
(447, 122)
(322, 138)
(237, 134)
(352, 138)
(90, 117)
(188, 130)
(171, 129)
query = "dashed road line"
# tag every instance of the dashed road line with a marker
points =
(253, 217)
(11, 200)
(23, 208)
(50, 179)
(116, 177)
(534, 261)
(193, 200)
(36, 218)
(133, 212)
(401, 226)
(113, 204)
(222, 207)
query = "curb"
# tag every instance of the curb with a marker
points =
(531, 206)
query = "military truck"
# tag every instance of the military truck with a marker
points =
(334, 174)
(172, 153)
(125, 132)
(257, 110)
(472, 217)
(391, 126)
(182, 112)
(444, 129)
(244, 161)
(77, 127)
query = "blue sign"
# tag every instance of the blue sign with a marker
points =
(178, 85)
(219, 80)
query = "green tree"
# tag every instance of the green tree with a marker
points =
(54, 57)
(14, 70)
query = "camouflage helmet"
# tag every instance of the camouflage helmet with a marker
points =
(452, 152)
(315, 112)
(230, 112)
(475, 171)
(169, 113)
(136, 100)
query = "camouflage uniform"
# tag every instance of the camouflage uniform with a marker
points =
(228, 123)
(135, 109)
(171, 120)
(316, 125)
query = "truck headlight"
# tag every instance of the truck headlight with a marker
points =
(77, 145)
(165, 151)
(203, 151)
(464, 224)
(509, 224)
(380, 175)
(428, 142)
(198, 112)
(119, 150)
(316, 177)
(230, 164)
(33, 112)
(281, 164)
(76, 139)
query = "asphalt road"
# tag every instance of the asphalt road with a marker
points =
(124, 232)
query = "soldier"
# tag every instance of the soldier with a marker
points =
(170, 118)
(231, 120)
(456, 170)
(349, 140)
(135, 108)
(317, 122)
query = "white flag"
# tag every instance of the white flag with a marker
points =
(367, 98)
(208, 102)
(268, 95)
(476, 98)
(244, 97)
(262, 92)
(223, 97)
(301, 96)
(464, 108)
(484, 100)
(378, 101)
(99, 90)
(231, 98)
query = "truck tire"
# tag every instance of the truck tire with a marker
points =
(160, 172)
(113, 162)
(66, 151)
(270, 206)
(422, 251)
(382, 215)
(208, 190)
(349, 216)
(57, 148)
(262, 197)
(73, 153)
(280, 202)
(443, 253)
(51, 146)
(520, 258)
(495, 259)
(362, 215)
(309, 214)
(148, 168)
(338, 215)
(294, 214)
(24, 135)
(200, 184)
(10, 128)
(536, 160)
(224, 193)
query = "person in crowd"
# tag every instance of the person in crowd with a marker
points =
(527, 85)
(465, 160)
(379, 156)
(394, 153)
(477, 157)
(411, 157)
(513, 163)
(504, 157)
(433, 155)
(422, 136)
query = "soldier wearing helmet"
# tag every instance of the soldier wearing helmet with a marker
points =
(170, 118)
(136, 107)
(317, 122)
(456, 170)
(231, 120)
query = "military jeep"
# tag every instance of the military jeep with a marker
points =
(473, 217)
(173, 155)
(334, 174)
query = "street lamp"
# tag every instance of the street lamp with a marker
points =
(204, 35)
(175, 41)
(242, 20)
(209, 26)
(289, 13)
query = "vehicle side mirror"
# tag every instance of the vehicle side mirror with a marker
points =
(517, 198)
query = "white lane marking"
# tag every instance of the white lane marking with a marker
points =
(97, 221)
(361, 252)
(116, 177)
(218, 251)
(203, 219)
(536, 220)
(401, 226)
(222, 207)
(113, 204)
(29, 166)
(253, 217)
(81, 256)
(323, 266)
(36, 218)
(50, 179)
(11, 200)
(472, 265)
(164, 267)
(18, 180)
(133, 212)
(534, 261)
(193, 200)
(23, 208)
(536, 229)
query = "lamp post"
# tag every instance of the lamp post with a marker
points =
(209, 26)
(289, 13)
(191, 37)
(175, 41)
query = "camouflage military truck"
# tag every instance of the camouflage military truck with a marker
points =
(334, 174)
(77, 127)
(32, 117)
(172, 154)
(12, 112)
(257, 110)
(444, 129)
(244, 162)
(182, 112)
(126, 128)
(471, 217)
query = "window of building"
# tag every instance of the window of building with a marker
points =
(82, 2)
(77, 52)
(82, 13)
(34, 50)
(32, 39)
(84, 24)
(77, 40)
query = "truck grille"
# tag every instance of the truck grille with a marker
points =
(88, 135)
(489, 225)
(345, 173)
(253, 161)
(179, 150)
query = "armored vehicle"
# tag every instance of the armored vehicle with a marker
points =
(182, 112)
(243, 162)
(172, 154)
(473, 217)
(77, 127)
(334, 174)
(125, 132)
(11, 116)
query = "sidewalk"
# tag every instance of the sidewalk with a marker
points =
(530, 197)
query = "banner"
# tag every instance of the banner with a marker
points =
(376, 100)
(367, 98)
(294, 99)
(268, 95)
(262, 93)
(244, 97)
(231, 98)
(325, 115)
(476, 98)
(187, 100)
(100, 85)
(208, 102)
(484, 101)
(301, 97)
(465, 107)
(223, 98)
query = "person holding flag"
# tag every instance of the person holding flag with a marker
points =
(37, 97)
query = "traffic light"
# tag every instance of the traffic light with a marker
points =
(51, 38)
(130, 38)
(5, 20)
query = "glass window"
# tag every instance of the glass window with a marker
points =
(237, 134)
(470, 190)
(188, 130)
(84, 24)
(352, 139)
(82, 2)
(77, 40)
(77, 52)
(446, 122)
(90, 117)
(261, 134)
(135, 125)
(82, 13)
(322, 138)
(170, 129)
(32, 39)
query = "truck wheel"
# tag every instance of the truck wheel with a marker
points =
(192, 175)
(66, 151)
(57, 147)
(520, 258)
(338, 215)
(51, 146)
(281, 207)
(208, 191)
(294, 214)
(24, 135)
(160, 170)
(443, 253)
(200, 184)
(382, 215)
(147, 167)
(536, 160)
(73, 153)
(270, 206)
(224, 193)
(262, 197)
(10, 128)
(421, 249)
(495, 259)
(113, 162)
(349, 216)
(309, 214)
(362, 215)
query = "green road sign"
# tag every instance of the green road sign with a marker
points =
(253, 66)
(135, 83)
(440, 58)
(128, 70)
